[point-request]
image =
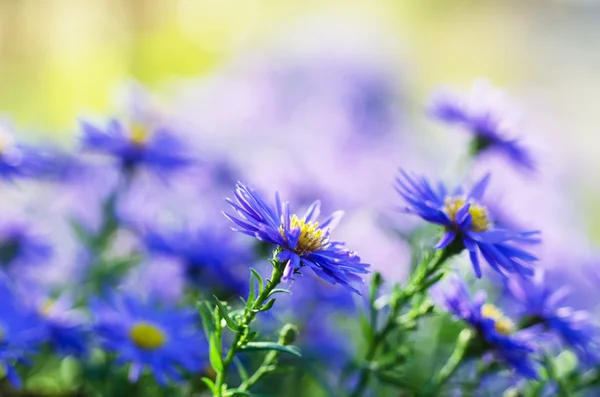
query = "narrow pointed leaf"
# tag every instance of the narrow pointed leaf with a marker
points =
(215, 354)
(258, 346)
(259, 278)
(268, 305)
(207, 318)
(279, 290)
(230, 323)
(211, 385)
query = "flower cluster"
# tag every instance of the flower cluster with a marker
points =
(136, 286)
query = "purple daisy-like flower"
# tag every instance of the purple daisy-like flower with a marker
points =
(159, 149)
(208, 256)
(467, 224)
(145, 335)
(482, 115)
(301, 241)
(19, 160)
(65, 326)
(494, 331)
(21, 331)
(20, 246)
(544, 304)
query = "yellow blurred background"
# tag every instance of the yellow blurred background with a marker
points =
(61, 57)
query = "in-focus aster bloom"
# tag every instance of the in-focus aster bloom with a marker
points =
(301, 241)
(494, 330)
(482, 115)
(21, 331)
(467, 223)
(159, 149)
(210, 258)
(544, 304)
(143, 334)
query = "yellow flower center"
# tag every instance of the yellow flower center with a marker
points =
(311, 237)
(480, 221)
(46, 307)
(147, 336)
(503, 324)
(139, 134)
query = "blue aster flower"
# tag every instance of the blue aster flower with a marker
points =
(545, 304)
(210, 258)
(468, 224)
(21, 332)
(21, 246)
(66, 327)
(158, 150)
(300, 241)
(495, 332)
(142, 334)
(19, 160)
(482, 116)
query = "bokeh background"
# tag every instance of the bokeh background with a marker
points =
(317, 99)
(289, 81)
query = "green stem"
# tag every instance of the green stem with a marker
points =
(587, 379)
(421, 281)
(453, 363)
(270, 360)
(244, 323)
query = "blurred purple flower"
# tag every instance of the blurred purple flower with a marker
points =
(147, 335)
(482, 115)
(66, 327)
(21, 246)
(494, 330)
(158, 150)
(545, 304)
(19, 160)
(21, 331)
(211, 259)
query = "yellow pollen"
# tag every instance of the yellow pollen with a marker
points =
(502, 323)
(311, 237)
(479, 216)
(147, 336)
(46, 307)
(139, 134)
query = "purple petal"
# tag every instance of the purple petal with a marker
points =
(479, 188)
(446, 239)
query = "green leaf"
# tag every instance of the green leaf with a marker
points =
(237, 392)
(565, 364)
(259, 346)
(276, 290)
(365, 326)
(251, 293)
(207, 318)
(230, 323)
(259, 278)
(211, 385)
(241, 369)
(81, 232)
(267, 306)
(215, 353)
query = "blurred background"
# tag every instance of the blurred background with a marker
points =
(318, 99)
(218, 65)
